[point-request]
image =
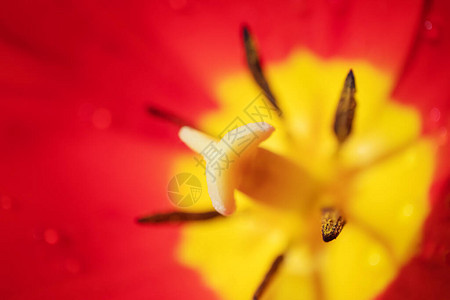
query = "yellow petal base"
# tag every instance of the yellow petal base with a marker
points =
(380, 177)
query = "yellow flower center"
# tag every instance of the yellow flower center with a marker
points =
(379, 178)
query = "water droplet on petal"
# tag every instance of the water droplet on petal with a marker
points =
(51, 236)
(101, 118)
(299, 261)
(431, 30)
(408, 210)
(374, 258)
(442, 136)
(435, 115)
(5, 202)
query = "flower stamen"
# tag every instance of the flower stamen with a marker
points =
(177, 217)
(268, 277)
(346, 109)
(254, 65)
(332, 223)
(170, 117)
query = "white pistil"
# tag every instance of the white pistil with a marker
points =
(224, 173)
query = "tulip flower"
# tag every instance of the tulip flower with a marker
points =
(341, 194)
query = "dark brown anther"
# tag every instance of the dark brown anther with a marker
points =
(169, 117)
(254, 65)
(345, 111)
(177, 217)
(332, 223)
(268, 277)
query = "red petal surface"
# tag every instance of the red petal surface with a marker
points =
(425, 85)
(80, 159)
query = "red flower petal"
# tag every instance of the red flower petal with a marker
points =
(70, 191)
(425, 85)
